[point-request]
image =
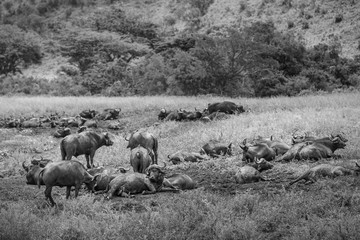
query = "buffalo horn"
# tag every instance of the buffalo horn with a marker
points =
(244, 142)
(164, 165)
(25, 167)
(357, 165)
(123, 170)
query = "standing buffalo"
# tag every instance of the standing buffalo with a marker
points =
(146, 140)
(180, 181)
(140, 159)
(325, 170)
(215, 148)
(259, 150)
(84, 143)
(316, 149)
(225, 107)
(182, 156)
(63, 173)
(150, 183)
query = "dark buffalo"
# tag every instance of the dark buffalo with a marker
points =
(71, 121)
(261, 164)
(31, 123)
(183, 156)
(225, 107)
(62, 132)
(177, 115)
(150, 183)
(109, 114)
(146, 140)
(317, 149)
(63, 173)
(42, 162)
(325, 170)
(191, 116)
(88, 114)
(259, 150)
(89, 123)
(141, 158)
(84, 143)
(163, 114)
(248, 174)
(215, 148)
(103, 176)
(12, 123)
(180, 181)
(278, 146)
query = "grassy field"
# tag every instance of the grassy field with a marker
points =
(219, 209)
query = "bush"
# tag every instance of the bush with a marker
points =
(18, 49)
(319, 79)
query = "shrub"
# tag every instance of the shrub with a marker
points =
(319, 79)
(338, 18)
(18, 49)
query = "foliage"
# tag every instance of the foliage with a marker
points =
(116, 20)
(17, 48)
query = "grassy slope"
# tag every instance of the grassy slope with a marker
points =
(327, 209)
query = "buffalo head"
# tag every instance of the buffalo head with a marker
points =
(155, 173)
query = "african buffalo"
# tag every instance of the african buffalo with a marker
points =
(325, 170)
(215, 148)
(31, 123)
(62, 132)
(146, 140)
(180, 181)
(183, 156)
(163, 114)
(109, 114)
(84, 143)
(71, 121)
(89, 123)
(259, 150)
(191, 116)
(301, 138)
(261, 164)
(88, 114)
(177, 115)
(248, 174)
(150, 183)
(141, 159)
(316, 149)
(63, 173)
(225, 107)
(103, 176)
(278, 146)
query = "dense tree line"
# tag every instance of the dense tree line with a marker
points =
(120, 56)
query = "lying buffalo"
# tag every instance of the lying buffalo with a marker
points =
(88, 114)
(183, 156)
(31, 123)
(225, 107)
(103, 176)
(63, 173)
(141, 159)
(215, 148)
(325, 170)
(150, 183)
(317, 149)
(278, 146)
(258, 150)
(163, 114)
(109, 114)
(180, 181)
(248, 174)
(261, 164)
(62, 132)
(84, 143)
(146, 140)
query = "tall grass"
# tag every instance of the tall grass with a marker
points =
(329, 209)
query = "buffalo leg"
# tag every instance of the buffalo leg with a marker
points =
(68, 189)
(87, 161)
(92, 159)
(77, 188)
(48, 195)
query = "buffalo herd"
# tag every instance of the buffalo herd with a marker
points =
(148, 177)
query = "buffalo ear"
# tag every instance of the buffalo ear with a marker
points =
(230, 145)
(357, 165)
(243, 147)
(271, 138)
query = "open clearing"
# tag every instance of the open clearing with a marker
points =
(219, 208)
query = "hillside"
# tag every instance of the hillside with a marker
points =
(128, 42)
